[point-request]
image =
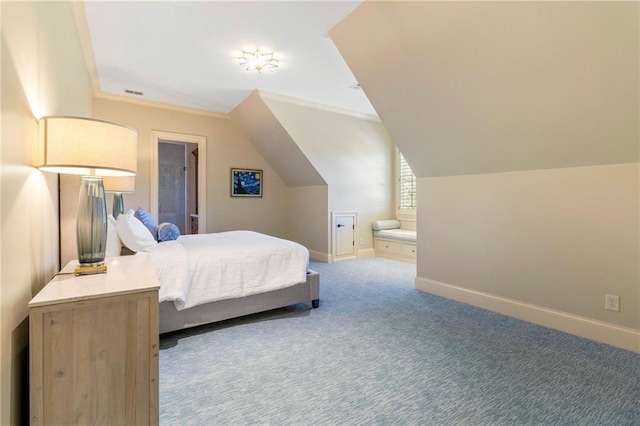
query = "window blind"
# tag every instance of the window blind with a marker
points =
(407, 186)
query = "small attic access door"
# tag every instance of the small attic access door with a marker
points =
(344, 230)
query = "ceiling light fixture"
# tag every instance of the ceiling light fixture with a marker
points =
(258, 61)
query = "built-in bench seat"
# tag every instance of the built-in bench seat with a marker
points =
(396, 234)
(392, 242)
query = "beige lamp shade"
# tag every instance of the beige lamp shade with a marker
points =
(119, 184)
(84, 146)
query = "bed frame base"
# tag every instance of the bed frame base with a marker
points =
(305, 292)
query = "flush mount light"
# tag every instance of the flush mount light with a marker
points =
(258, 61)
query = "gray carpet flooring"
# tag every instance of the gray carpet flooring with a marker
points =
(378, 352)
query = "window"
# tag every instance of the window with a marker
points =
(406, 197)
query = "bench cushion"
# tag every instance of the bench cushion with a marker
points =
(396, 234)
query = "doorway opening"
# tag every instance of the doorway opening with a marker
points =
(178, 184)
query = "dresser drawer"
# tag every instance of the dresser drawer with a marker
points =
(408, 250)
(388, 246)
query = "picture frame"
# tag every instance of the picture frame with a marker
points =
(246, 182)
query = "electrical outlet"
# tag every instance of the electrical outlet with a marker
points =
(612, 303)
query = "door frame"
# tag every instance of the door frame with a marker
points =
(334, 241)
(201, 141)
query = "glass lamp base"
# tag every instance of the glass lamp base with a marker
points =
(118, 204)
(91, 225)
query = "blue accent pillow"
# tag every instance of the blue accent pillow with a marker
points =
(145, 217)
(168, 232)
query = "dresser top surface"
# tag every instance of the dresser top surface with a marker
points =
(125, 274)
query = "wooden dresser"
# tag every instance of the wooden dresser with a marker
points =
(94, 346)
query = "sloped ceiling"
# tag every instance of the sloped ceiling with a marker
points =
(310, 146)
(346, 150)
(274, 143)
(478, 87)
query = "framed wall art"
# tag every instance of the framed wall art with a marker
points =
(246, 183)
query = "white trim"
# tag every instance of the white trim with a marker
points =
(611, 334)
(201, 141)
(328, 258)
(296, 101)
(161, 105)
(80, 18)
(370, 252)
(320, 257)
(341, 258)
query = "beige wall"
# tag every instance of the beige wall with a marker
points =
(226, 148)
(307, 219)
(353, 155)
(558, 238)
(43, 73)
(520, 120)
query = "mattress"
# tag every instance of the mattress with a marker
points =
(202, 268)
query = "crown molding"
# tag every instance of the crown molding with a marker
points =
(161, 105)
(296, 101)
(80, 18)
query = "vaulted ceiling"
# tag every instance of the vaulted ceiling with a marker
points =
(184, 53)
(461, 87)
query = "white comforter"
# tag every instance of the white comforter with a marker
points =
(202, 268)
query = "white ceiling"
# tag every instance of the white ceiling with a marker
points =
(183, 53)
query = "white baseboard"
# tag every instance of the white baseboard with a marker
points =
(341, 258)
(611, 334)
(370, 252)
(328, 258)
(320, 257)
(360, 254)
(393, 256)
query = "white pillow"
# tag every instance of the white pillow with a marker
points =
(134, 234)
(114, 245)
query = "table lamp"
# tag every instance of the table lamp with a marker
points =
(91, 148)
(118, 185)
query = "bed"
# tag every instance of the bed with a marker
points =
(212, 277)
